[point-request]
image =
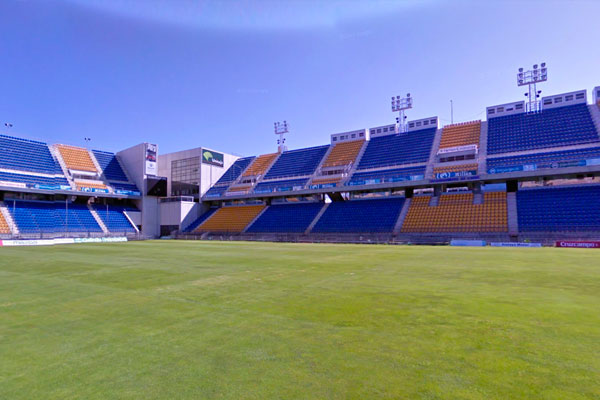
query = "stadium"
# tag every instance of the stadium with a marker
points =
(406, 257)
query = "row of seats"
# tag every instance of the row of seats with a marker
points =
(51, 217)
(460, 134)
(541, 160)
(324, 180)
(260, 164)
(83, 185)
(111, 168)
(559, 209)
(192, 227)
(27, 155)
(297, 162)
(230, 219)
(76, 158)
(4, 228)
(234, 171)
(114, 218)
(554, 127)
(457, 213)
(387, 175)
(284, 218)
(455, 168)
(343, 153)
(33, 179)
(280, 185)
(360, 216)
(398, 149)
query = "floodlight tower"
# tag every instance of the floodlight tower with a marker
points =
(281, 128)
(531, 78)
(400, 105)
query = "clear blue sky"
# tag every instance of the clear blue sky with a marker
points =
(188, 73)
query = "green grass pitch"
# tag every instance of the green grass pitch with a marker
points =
(213, 320)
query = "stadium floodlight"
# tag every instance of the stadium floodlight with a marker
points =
(87, 140)
(400, 105)
(281, 128)
(531, 78)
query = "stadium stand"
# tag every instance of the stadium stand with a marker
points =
(280, 185)
(111, 168)
(234, 171)
(4, 228)
(130, 187)
(389, 175)
(192, 227)
(76, 158)
(324, 180)
(343, 153)
(51, 217)
(559, 209)
(554, 159)
(230, 219)
(286, 218)
(392, 150)
(27, 155)
(216, 191)
(33, 179)
(554, 127)
(82, 185)
(462, 134)
(454, 168)
(356, 216)
(297, 162)
(114, 218)
(260, 164)
(457, 213)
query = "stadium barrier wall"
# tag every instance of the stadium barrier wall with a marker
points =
(578, 244)
(53, 242)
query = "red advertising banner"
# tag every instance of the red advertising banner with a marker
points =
(578, 245)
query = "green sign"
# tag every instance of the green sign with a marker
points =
(212, 158)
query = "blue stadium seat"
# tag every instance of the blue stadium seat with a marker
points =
(556, 159)
(33, 179)
(559, 209)
(215, 191)
(553, 127)
(297, 162)
(280, 186)
(360, 216)
(51, 217)
(110, 166)
(235, 170)
(286, 218)
(392, 150)
(27, 155)
(388, 175)
(114, 218)
(200, 219)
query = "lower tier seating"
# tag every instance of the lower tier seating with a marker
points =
(51, 217)
(192, 227)
(356, 216)
(559, 209)
(284, 218)
(33, 179)
(230, 219)
(457, 213)
(280, 186)
(554, 159)
(4, 228)
(114, 218)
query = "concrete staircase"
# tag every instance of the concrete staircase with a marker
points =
(255, 219)
(359, 156)
(478, 198)
(482, 150)
(98, 219)
(513, 217)
(402, 216)
(101, 176)
(56, 154)
(314, 222)
(433, 154)
(9, 219)
(434, 201)
(317, 172)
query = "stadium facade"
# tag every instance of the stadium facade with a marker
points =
(516, 176)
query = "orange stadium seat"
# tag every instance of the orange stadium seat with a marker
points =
(325, 180)
(4, 228)
(77, 158)
(457, 213)
(260, 165)
(343, 153)
(461, 134)
(455, 168)
(94, 185)
(230, 219)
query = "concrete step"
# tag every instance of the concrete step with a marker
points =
(314, 222)
(513, 217)
(402, 216)
(98, 219)
(433, 154)
(14, 229)
(255, 219)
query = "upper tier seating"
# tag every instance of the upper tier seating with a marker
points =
(4, 228)
(454, 168)
(343, 153)
(390, 175)
(553, 127)
(360, 216)
(76, 158)
(230, 219)
(460, 134)
(51, 217)
(542, 160)
(33, 179)
(216, 191)
(404, 148)
(297, 162)
(200, 220)
(280, 186)
(82, 185)
(324, 180)
(234, 171)
(559, 209)
(260, 164)
(27, 155)
(286, 218)
(111, 168)
(457, 213)
(114, 218)
(124, 186)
